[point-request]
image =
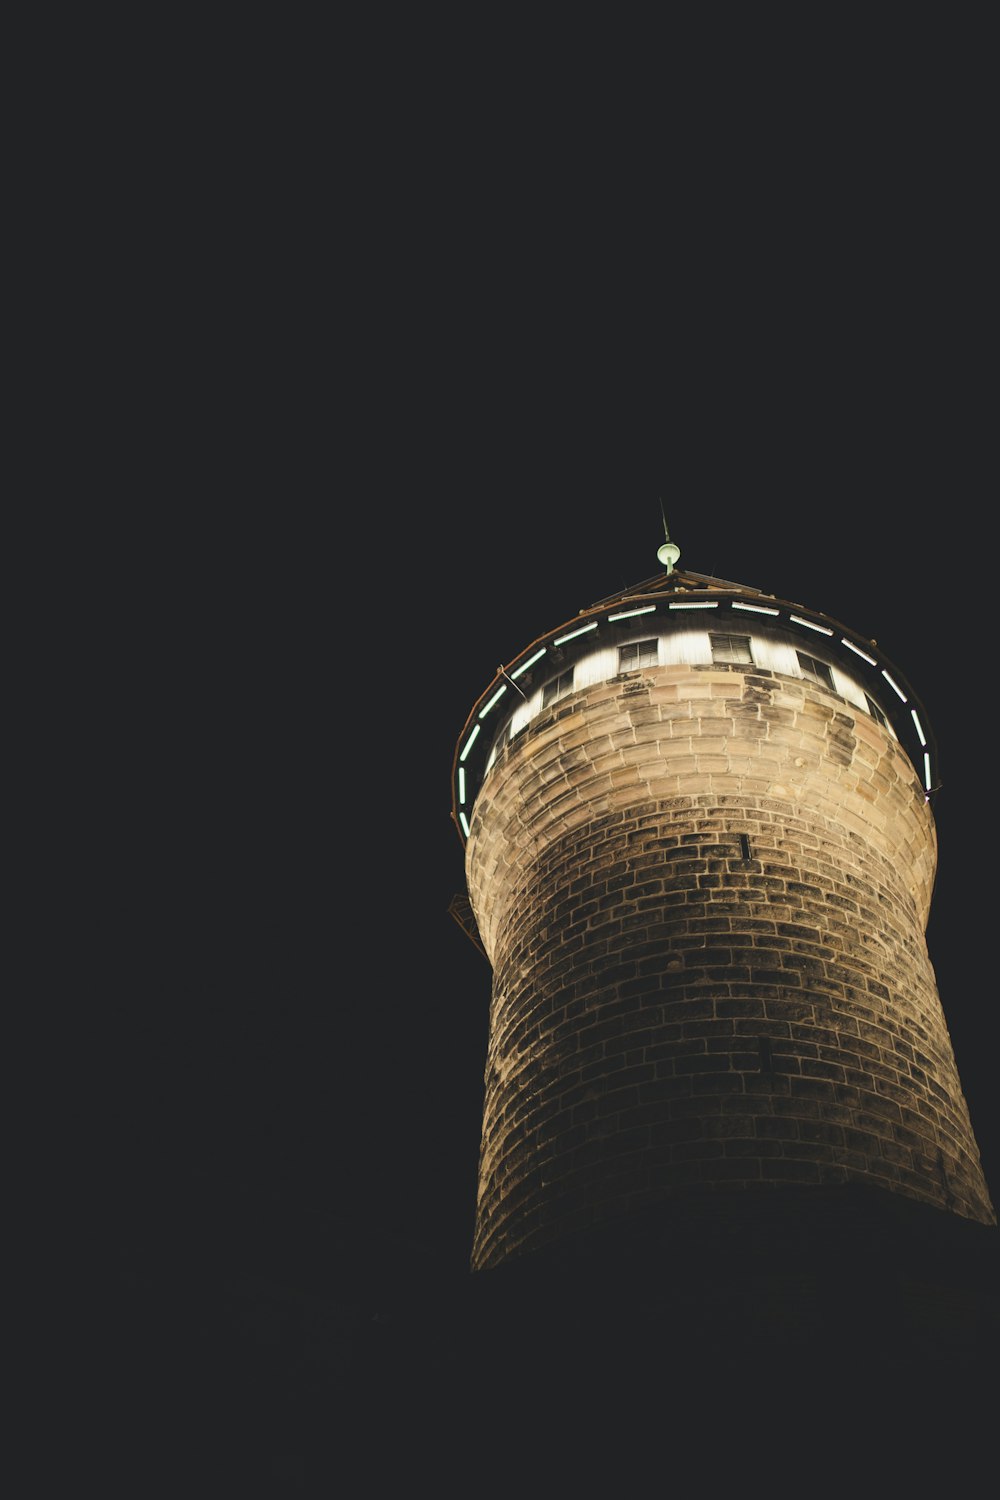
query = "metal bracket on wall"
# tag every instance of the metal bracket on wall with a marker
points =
(461, 909)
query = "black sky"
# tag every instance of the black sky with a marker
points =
(300, 1024)
(383, 434)
(358, 361)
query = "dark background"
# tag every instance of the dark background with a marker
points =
(302, 1024)
(369, 394)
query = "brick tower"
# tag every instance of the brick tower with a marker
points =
(700, 851)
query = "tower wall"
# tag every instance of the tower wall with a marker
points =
(704, 891)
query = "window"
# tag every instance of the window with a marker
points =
(876, 712)
(638, 654)
(558, 687)
(508, 732)
(731, 648)
(816, 671)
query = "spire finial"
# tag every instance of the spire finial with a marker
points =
(668, 552)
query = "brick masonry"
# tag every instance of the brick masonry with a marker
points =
(704, 892)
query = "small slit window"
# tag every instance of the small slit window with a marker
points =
(558, 687)
(816, 671)
(638, 654)
(876, 712)
(508, 732)
(731, 648)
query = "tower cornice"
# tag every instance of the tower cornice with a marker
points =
(666, 603)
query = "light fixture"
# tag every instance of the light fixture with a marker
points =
(628, 613)
(497, 695)
(574, 633)
(820, 629)
(858, 651)
(529, 663)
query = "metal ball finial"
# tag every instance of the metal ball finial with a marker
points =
(668, 552)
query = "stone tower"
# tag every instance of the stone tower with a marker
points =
(700, 852)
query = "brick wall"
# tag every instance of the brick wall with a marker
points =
(704, 894)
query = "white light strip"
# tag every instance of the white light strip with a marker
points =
(897, 690)
(714, 604)
(927, 771)
(495, 699)
(820, 629)
(758, 609)
(461, 784)
(630, 612)
(574, 633)
(858, 651)
(916, 723)
(469, 743)
(529, 663)
(464, 822)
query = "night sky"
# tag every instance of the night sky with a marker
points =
(367, 460)
(302, 1024)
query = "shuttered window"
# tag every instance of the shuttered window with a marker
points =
(638, 654)
(731, 648)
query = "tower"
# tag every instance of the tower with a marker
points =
(700, 852)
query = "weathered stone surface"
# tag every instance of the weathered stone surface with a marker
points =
(652, 915)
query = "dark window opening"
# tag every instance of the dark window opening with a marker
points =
(731, 648)
(557, 688)
(816, 671)
(876, 712)
(506, 733)
(764, 1052)
(745, 845)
